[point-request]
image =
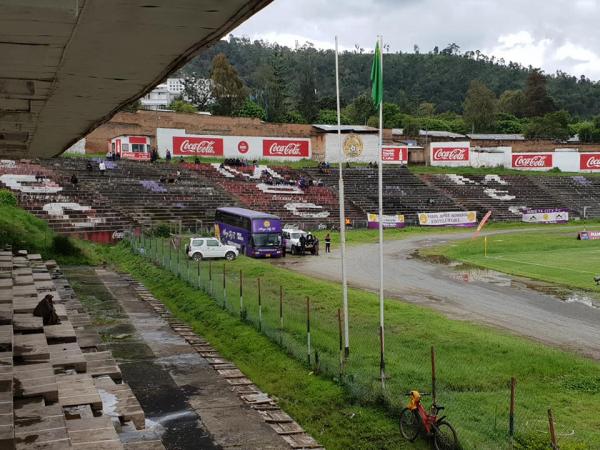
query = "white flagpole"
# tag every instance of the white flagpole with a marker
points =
(380, 186)
(342, 208)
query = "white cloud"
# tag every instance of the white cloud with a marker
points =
(553, 35)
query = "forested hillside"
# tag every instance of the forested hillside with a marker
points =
(440, 77)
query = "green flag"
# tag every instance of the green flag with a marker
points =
(377, 77)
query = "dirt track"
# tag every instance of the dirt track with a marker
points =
(475, 295)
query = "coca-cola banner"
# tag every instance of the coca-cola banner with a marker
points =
(181, 143)
(589, 161)
(532, 161)
(394, 155)
(286, 148)
(554, 215)
(446, 219)
(197, 146)
(450, 153)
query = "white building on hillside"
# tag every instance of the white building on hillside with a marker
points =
(163, 94)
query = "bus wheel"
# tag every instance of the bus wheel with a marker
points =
(197, 256)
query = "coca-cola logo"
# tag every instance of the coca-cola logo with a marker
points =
(532, 161)
(243, 147)
(451, 154)
(394, 154)
(203, 146)
(286, 148)
(590, 162)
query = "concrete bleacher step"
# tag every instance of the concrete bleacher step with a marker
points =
(126, 407)
(95, 433)
(40, 426)
(36, 380)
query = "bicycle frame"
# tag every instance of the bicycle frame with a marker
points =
(428, 420)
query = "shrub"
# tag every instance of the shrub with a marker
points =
(160, 230)
(7, 198)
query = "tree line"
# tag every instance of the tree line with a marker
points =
(442, 89)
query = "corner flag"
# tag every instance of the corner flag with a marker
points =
(377, 77)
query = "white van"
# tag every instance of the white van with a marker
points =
(200, 248)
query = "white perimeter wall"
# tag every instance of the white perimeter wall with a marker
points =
(491, 157)
(164, 142)
(370, 146)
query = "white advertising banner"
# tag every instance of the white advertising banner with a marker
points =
(179, 143)
(450, 153)
(548, 215)
(355, 147)
(453, 218)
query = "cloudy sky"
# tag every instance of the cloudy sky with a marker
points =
(551, 34)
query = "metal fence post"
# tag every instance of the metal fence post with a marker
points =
(224, 289)
(241, 294)
(280, 314)
(308, 330)
(511, 417)
(259, 306)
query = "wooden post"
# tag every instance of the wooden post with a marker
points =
(433, 375)
(224, 289)
(259, 306)
(485, 246)
(339, 315)
(198, 275)
(210, 277)
(308, 330)
(511, 415)
(170, 255)
(552, 431)
(280, 314)
(241, 294)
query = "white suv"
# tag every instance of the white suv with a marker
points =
(291, 239)
(201, 248)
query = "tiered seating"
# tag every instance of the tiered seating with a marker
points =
(507, 196)
(52, 376)
(136, 192)
(403, 192)
(278, 191)
(51, 197)
(581, 193)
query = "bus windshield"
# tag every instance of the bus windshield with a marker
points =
(266, 240)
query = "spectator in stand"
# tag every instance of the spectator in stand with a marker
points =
(197, 161)
(74, 180)
(181, 160)
(39, 177)
(168, 156)
(89, 166)
(102, 167)
(327, 243)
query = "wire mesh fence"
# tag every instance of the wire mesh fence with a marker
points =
(310, 331)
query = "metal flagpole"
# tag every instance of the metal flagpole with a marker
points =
(342, 208)
(380, 188)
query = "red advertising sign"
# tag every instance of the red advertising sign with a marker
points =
(137, 156)
(138, 140)
(243, 147)
(286, 148)
(397, 155)
(532, 161)
(118, 146)
(589, 161)
(197, 145)
(450, 154)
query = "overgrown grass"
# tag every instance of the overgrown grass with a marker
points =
(552, 255)
(321, 406)
(23, 230)
(475, 363)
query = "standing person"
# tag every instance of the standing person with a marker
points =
(302, 244)
(74, 180)
(168, 156)
(102, 167)
(327, 243)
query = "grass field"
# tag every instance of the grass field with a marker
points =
(475, 363)
(553, 255)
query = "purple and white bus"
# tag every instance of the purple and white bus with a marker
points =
(254, 233)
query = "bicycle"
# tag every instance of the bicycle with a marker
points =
(414, 420)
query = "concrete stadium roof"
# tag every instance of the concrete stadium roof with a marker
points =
(68, 66)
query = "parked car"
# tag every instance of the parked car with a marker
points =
(208, 247)
(291, 242)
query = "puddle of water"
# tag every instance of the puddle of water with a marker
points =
(473, 275)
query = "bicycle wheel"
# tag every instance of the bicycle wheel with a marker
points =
(410, 424)
(444, 436)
